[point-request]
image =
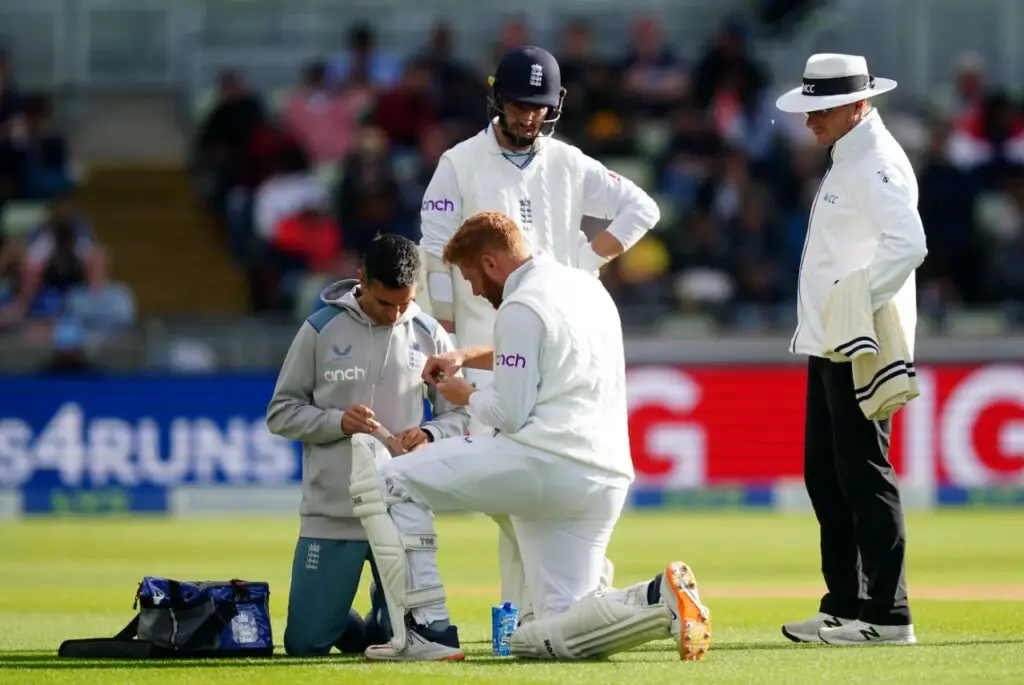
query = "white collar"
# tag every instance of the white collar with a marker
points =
(856, 138)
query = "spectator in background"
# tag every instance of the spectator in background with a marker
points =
(577, 64)
(408, 110)
(966, 94)
(458, 88)
(757, 255)
(611, 118)
(637, 279)
(274, 263)
(654, 76)
(311, 237)
(948, 196)
(363, 64)
(743, 115)
(268, 145)
(1009, 253)
(513, 33)
(10, 183)
(439, 56)
(700, 257)
(722, 194)
(11, 255)
(60, 258)
(306, 242)
(225, 135)
(322, 120)
(728, 66)
(795, 186)
(432, 145)
(40, 151)
(290, 188)
(439, 52)
(989, 139)
(368, 200)
(10, 94)
(691, 157)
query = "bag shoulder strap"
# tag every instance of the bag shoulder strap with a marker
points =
(130, 631)
(209, 628)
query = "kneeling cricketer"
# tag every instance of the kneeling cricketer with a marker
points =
(558, 466)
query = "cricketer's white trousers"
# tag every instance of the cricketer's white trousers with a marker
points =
(474, 325)
(563, 512)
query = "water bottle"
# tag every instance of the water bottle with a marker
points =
(504, 619)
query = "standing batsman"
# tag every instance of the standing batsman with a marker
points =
(515, 167)
(864, 218)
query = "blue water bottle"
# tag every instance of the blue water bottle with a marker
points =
(504, 619)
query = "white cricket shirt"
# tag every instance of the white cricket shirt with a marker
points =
(559, 368)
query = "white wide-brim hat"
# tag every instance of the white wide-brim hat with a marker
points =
(832, 80)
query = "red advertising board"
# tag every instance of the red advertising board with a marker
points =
(693, 426)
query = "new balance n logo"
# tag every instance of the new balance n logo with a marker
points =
(869, 633)
(832, 622)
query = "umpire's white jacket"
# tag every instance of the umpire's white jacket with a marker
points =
(864, 215)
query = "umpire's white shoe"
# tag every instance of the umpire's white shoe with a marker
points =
(691, 620)
(861, 633)
(807, 631)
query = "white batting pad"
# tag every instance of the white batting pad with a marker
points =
(595, 627)
(370, 503)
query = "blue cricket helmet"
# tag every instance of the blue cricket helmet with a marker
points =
(527, 75)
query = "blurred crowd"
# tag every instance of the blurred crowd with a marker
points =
(301, 182)
(54, 282)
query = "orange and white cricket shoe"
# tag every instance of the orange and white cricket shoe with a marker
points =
(691, 620)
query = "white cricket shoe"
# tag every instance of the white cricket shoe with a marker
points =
(807, 631)
(691, 620)
(422, 644)
(861, 633)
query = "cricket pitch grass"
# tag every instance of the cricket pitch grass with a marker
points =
(75, 578)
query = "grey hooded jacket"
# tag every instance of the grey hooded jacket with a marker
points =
(341, 358)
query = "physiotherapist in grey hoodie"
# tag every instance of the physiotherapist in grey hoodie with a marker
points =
(354, 363)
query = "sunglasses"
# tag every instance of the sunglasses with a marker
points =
(820, 112)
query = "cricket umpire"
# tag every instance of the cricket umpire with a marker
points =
(864, 216)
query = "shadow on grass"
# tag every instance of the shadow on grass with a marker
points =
(37, 660)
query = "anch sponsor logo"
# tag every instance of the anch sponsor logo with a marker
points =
(444, 205)
(512, 361)
(350, 374)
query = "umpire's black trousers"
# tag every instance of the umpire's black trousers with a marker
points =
(855, 496)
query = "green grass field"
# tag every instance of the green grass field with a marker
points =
(76, 578)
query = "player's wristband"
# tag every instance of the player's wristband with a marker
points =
(588, 260)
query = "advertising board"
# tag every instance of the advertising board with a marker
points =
(716, 435)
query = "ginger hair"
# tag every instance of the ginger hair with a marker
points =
(485, 232)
